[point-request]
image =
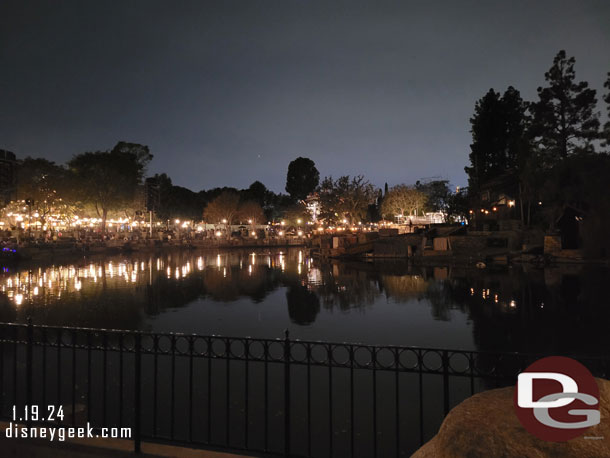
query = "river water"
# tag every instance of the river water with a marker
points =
(261, 293)
(339, 411)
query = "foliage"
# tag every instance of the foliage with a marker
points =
(176, 201)
(256, 192)
(437, 194)
(302, 178)
(294, 212)
(499, 140)
(45, 184)
(61, 211)
(581, 182)
(457, 205)
(109, 179)
(280, 206)
(403, 200)
(250, 210)
(223, 209)
(565, 121)
(345, 198)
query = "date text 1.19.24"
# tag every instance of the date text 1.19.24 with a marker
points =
(38, 413)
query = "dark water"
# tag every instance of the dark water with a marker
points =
(243, 293)
(259, 294)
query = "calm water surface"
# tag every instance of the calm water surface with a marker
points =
(261, 293)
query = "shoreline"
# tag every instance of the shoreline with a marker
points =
(49, 254)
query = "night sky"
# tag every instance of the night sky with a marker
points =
(226, 93)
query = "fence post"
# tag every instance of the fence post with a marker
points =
(446, 381)
(286, 393)
(29, 376)
(137, 393)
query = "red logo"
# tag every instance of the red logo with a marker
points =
(557, 399)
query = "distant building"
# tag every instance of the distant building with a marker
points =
(495, 206)
(312, 203)
(8, 176)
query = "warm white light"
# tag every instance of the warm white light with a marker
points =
(218, 233)
(281, 233)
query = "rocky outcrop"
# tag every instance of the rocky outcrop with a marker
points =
(485, 425)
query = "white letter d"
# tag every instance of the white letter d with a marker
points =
(525, 389)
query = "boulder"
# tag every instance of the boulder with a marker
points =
(485, 425)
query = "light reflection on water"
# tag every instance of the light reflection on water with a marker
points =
(262, 293)
(49, 283)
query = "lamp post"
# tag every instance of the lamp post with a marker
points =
(29, 203)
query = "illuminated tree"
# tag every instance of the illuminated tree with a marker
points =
(346, 198)
(108, 180)
(403, 200)
(223, 209)
(251, 212)
(42, 184)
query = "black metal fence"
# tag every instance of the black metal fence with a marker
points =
(256, 396)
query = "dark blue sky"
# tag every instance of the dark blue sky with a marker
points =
(227, 92)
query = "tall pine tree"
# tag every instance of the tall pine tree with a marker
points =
(498, 132)
(565, 121)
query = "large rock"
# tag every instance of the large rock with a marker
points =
(485, 425)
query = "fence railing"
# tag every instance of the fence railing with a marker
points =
(260, 396)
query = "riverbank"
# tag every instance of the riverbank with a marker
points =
(58, 252)
(452, 245)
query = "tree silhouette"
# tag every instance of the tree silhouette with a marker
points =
(565, 121)
(302, 178)
(498, 132)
